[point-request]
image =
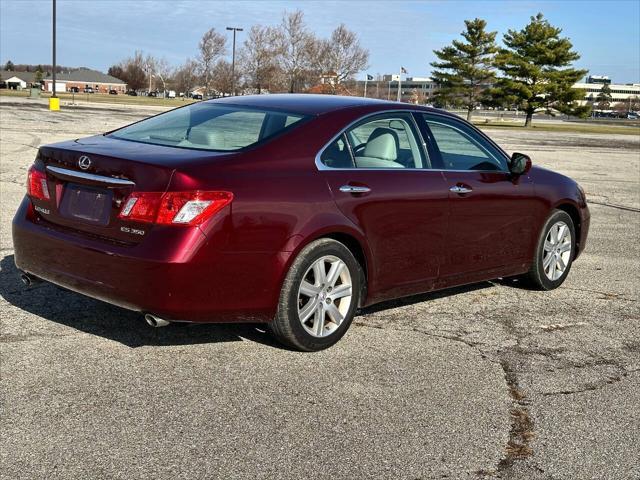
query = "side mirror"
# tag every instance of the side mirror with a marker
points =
(520, 164)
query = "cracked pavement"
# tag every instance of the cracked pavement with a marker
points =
(485, 381)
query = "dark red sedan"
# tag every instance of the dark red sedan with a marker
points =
(292, 210)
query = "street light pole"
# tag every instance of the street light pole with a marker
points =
(233, 59)
(54, 101)
(54, 49)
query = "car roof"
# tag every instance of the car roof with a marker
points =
(305, 103)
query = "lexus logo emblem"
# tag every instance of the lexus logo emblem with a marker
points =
(84, 162)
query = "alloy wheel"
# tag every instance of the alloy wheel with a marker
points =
(324, 296)
(556, 253)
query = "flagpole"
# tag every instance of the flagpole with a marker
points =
(399, 84)
(366, 79)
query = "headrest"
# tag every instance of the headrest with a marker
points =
(383, 143)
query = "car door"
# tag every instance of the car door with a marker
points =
(378, 172)
(490, 221)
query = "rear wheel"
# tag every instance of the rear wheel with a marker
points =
(554, 252)
(319, 296)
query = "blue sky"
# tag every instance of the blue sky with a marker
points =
(98, 33)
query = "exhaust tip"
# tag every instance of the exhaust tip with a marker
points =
(26, 279)
(155, 322)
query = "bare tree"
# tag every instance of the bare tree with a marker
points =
(186, 76)
(132, 71)
(158, 68)
(297, 48)
(212, 46)
(258, 57)
(222, 77)
(342, 55)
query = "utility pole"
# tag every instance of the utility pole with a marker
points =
(149, 70)
(54, 101)
(233, 59)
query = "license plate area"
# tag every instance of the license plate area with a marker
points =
(86, 204)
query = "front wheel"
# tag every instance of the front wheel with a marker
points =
(319, 296)
(554, 253)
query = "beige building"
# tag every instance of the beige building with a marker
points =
(620, 93)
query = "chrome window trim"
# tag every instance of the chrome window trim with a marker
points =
(116, 182)
(322, 167)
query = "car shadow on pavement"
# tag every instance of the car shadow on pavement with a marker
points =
(114, 323)
(92, 316)
(424, 297)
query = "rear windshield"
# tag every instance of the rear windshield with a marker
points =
(206, 126)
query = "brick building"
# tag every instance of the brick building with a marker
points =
(85, 78)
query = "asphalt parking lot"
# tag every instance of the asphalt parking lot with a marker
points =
(486, 381)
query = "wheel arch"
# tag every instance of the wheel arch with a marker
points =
(572, 210)
(349, 237)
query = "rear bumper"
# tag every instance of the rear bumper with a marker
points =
(175, 273)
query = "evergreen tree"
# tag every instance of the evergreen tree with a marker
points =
(466, 67)
(537, 71)
(9, 66)
(604, 98)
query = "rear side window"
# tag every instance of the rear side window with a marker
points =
(337, 154)
(386, 141)
(206, 126)
(461, 148)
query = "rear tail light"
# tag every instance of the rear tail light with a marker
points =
(37, 184)
(174, 208)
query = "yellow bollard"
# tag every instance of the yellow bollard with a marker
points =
(54, 103)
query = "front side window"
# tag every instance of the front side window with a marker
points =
(462, 149)
(206, 126)
(384, 141)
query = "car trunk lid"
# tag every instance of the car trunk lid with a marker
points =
(90, 179)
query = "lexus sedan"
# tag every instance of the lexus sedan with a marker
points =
(291, 210)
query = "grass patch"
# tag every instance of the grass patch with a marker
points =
(88, 98)
(561, 127)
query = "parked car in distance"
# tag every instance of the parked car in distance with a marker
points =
(196, 96)
(292, 210)
(113, 92)
(88, 90)
(171, 94)
(74, 90)
(132, 93)
(152, 94)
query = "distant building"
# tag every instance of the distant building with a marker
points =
(81, 79)
(84, 78)
(620, 93)
(16, 80)
(414, 89)
(603, 79)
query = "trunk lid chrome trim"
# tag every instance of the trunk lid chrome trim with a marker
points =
(108, 182)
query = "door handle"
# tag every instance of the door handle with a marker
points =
(459, 190)
(354, 189)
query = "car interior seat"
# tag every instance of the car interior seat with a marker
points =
(381, 150)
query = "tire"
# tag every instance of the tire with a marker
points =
(315, 314)
(546, 272)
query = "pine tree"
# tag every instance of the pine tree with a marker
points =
(466, 68)
(604, 97)
(537, 71)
